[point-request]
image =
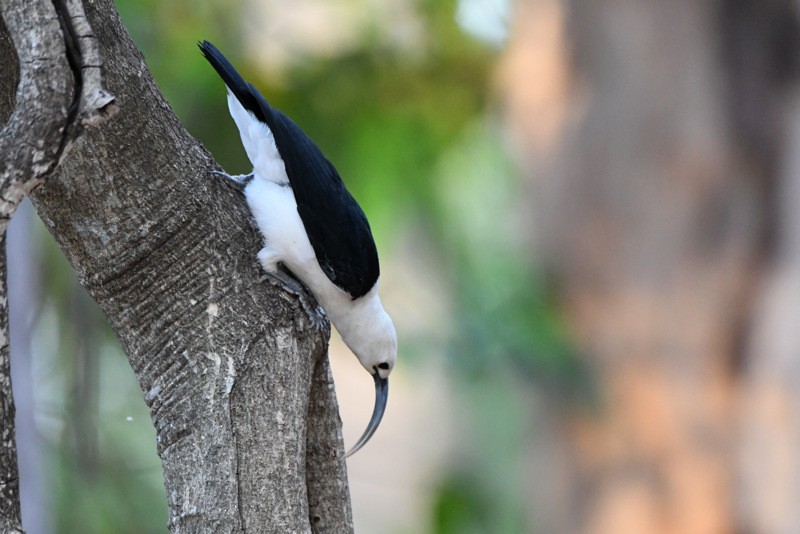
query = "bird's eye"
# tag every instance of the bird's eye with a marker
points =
(383, 366)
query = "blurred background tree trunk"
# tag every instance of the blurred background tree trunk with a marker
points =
(661, 141)
(24, 298)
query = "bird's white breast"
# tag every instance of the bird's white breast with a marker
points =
(275, 211)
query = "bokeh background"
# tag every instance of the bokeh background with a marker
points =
(587, 214)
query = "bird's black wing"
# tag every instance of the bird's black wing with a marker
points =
(335, 224)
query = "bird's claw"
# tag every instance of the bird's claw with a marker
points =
(238, 179)
(313, 312)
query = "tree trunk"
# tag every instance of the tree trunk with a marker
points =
(654, 158)
(237, 381)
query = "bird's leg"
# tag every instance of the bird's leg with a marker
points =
(286, 282)
(238, 179)
(268, 259)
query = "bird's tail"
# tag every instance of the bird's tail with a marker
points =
(245, 93)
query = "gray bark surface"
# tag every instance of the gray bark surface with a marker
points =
(10, 520)
(30, 145)
(237, 381)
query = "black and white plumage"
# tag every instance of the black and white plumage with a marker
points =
(313, 226)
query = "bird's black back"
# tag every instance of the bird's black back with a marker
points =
(336, 226)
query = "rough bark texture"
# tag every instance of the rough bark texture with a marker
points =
(656, 213)
(10, 520)
(33, 140)
(30, 145)
(227, 363)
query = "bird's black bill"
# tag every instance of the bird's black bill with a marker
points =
(381, 397)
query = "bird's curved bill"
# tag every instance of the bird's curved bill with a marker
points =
(381, 396)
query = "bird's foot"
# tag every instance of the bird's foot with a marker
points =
(313, 312)
(238, 179)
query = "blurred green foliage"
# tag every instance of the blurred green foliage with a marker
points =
(417, 141)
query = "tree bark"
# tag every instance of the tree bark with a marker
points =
(236, 379)
(10, 519)
(31, 144)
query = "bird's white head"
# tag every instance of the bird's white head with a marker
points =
(375, 344)
(368, 331)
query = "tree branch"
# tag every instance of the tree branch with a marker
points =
(33, 138)
(96, 104)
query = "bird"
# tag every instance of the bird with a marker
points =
(312, 225)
